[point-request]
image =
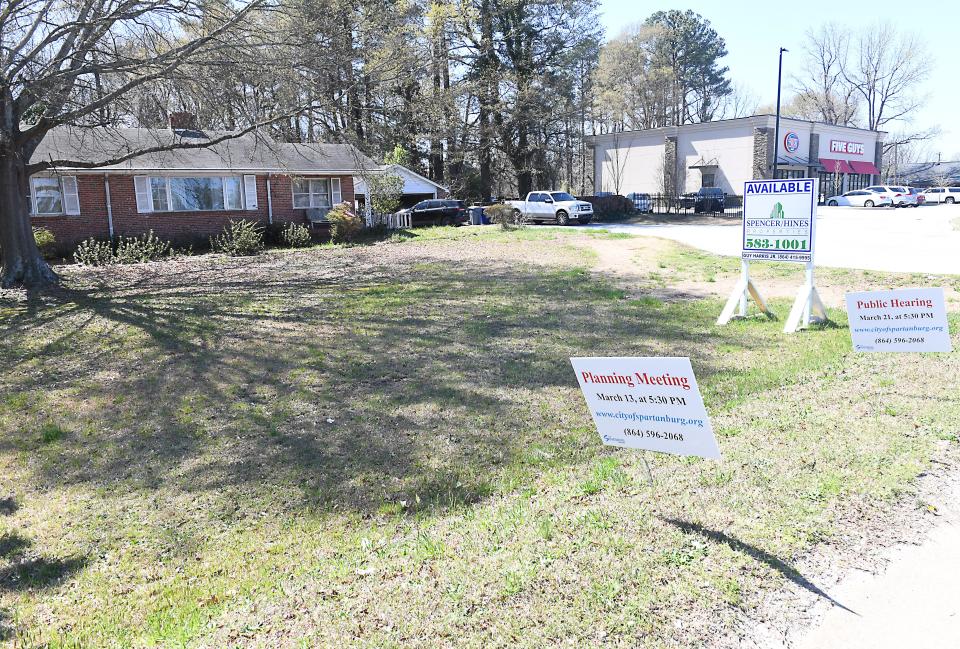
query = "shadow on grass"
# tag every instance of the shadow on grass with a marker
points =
(8, 506)
(318, 381)
(756, 553)
(40, 572)
(12, 544)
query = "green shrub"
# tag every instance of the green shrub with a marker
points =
(296, 235)
(135, 250)
(239, 239)
(46, 242)
(344, 224)
(94, 253)
(508, 217)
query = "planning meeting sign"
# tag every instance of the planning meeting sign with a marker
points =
(647, 403)
(778, 220)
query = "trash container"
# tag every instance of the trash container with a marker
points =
(476, 215)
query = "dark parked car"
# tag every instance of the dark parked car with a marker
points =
(441, 211)
(642, 202)
(705, 199)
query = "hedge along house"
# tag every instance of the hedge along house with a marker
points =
(185, 194)
(679, 159)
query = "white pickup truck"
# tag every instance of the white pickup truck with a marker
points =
(552, 207)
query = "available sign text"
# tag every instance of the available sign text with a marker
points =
(778, 219)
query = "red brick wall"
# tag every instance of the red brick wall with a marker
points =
(175, 226)
(92, 220)
(281, 188)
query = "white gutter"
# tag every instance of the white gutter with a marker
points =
(106, 189)
(269, 202)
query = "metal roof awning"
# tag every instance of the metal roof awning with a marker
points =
(836, 166)
(864, 167)
(703, 166)
(793, 160)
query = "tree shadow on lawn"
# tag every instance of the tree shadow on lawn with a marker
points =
(230, 376)
(27, 574)
(756, 553)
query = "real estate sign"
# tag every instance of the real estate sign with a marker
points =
(778, 219)
(647, 403)
(907, 320)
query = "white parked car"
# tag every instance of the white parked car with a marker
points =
(860, 198)
(941, 195)
(899, 195)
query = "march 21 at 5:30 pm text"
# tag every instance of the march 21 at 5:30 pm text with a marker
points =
(778, 220)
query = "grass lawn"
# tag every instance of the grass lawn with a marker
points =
(386, 446)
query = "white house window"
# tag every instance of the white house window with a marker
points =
(196, 194)
(316, 192)
(54, 195)
(232, 194)
(189, 193)
(47, 195)
(158, 191)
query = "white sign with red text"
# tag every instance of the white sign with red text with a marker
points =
(906, 320)
(652, 404)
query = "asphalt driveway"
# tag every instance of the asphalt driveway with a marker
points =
(923, 239)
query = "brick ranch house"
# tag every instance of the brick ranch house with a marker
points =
(190, 194)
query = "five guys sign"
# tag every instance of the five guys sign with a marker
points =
(845, 146)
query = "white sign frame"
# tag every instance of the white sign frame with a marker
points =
(647, 403)
(802, 195)
(899, 320)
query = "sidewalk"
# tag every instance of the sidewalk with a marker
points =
(914, 602)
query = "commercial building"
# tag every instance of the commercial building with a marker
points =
(679, 159)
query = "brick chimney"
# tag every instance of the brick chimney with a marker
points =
(183, 120)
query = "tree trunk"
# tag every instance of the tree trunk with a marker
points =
(22, 263)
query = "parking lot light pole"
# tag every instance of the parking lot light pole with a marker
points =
(776, 133)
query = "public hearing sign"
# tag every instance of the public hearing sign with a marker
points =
(647, 403)
(905, 320)
(778, 220)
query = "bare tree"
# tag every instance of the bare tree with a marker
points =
(823, 92)
(616, 156)
(885, 72)
(78, 64)
(741, 102)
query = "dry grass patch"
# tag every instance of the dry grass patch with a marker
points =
(385, 446)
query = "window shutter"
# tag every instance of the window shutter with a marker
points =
(33, 197)
(335, 191)
(144, 198)
(71, 198)
(250, 192)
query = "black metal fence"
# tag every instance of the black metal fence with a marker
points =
(720, 205)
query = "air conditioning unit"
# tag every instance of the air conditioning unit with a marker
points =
(317, 214)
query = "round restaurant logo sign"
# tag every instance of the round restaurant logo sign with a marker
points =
(791, 142)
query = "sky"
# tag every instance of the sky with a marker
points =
(755, 30)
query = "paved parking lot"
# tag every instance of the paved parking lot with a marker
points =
(922, 239)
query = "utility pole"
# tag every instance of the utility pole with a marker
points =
(776, 134)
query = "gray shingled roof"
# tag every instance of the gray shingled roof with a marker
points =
(250, 152)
